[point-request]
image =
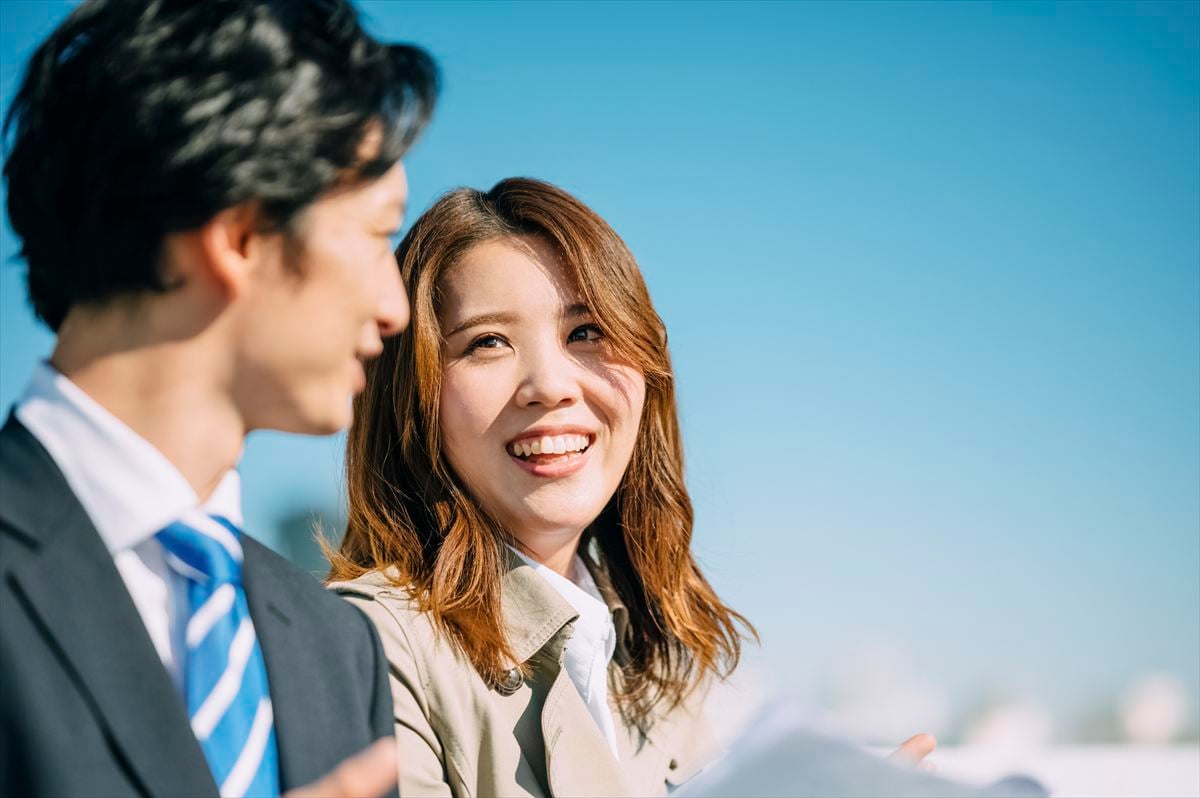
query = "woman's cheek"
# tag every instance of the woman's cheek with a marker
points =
(469, 408)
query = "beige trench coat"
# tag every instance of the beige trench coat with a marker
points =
(460, 737)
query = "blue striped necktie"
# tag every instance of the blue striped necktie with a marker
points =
(225, 679)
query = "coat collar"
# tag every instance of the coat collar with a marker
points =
(537, 617)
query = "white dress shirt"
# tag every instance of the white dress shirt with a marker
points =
(591, 647)
(130, 491)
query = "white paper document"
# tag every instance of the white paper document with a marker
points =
(782, 755)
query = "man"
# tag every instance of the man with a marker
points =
(205, 195)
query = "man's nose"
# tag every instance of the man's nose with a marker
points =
(392, 312)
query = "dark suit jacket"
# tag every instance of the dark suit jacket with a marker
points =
(86, 706)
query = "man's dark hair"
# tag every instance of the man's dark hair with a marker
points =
(139, 118)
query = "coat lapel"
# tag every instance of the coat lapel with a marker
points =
(539, 622)
(73, 590)
(578, 759)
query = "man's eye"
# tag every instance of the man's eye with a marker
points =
(485, 342)
(586, 332)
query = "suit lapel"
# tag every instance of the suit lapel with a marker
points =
(284, 651)
(77, 597)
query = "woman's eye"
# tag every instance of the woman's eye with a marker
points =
(485, 342)
(586, 332)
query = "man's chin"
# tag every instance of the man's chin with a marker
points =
(307, 418)
(326, 429)
(333, 424)
(329, 423)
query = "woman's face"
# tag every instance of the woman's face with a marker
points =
(537, 418)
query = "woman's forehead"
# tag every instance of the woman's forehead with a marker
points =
(517, 273)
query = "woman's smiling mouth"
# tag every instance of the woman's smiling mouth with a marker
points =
(546, 453)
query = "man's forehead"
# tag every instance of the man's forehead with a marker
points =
(386, 195)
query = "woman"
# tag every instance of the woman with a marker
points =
(519, 528)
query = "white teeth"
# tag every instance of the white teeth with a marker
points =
(556, 444)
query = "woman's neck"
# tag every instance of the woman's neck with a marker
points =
(556, 551)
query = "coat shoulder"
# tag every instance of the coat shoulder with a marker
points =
(406, 631)
(420, 656)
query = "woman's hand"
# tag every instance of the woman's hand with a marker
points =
(914, 750)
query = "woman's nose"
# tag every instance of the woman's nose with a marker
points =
(550, 379)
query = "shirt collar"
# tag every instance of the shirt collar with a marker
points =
(129, 489)
(580, 592)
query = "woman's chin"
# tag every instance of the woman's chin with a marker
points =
(550, 524)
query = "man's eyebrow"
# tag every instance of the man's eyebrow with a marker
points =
(482, 318)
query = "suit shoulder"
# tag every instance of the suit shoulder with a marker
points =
(36, 503)
(299, 591)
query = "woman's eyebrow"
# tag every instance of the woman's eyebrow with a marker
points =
(500, 317)
(482, 318)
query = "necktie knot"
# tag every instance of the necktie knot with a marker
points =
(204, 548)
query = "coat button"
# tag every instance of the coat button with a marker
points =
(510, 682)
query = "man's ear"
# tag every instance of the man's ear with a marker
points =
(230, 249)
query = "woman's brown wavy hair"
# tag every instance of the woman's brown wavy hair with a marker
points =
(410, 514)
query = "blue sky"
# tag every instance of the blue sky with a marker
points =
(931, 274)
